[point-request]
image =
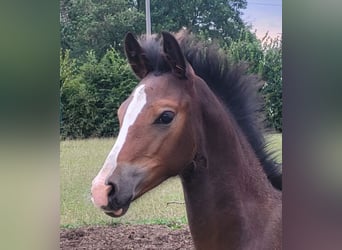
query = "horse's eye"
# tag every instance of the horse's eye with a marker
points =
(165, 118)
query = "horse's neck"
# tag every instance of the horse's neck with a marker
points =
(228, 197)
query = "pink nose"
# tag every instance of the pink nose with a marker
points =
(99, 192)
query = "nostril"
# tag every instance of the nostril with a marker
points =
(112, 190)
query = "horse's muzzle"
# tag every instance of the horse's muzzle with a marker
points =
(118, 201)
(115, 194)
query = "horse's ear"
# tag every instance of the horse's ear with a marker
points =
(136, 56)
(174, 55)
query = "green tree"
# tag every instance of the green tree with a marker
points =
(95, 79)
(110, 81)
(77, 105)
(265, 59)
(272, 73)
(215, 19)
(247, 48)
(92, 92)
(97, 25)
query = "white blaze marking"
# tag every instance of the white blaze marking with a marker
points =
(134, 108)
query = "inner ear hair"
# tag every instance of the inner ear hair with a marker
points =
(136, 56)
(174, 55)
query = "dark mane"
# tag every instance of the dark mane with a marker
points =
(236, 89)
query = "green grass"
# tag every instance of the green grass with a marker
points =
(80, 161)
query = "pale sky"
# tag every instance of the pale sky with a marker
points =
(264, 15)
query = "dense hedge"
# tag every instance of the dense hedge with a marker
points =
(92, 90)
(91, 94)
(265, 59)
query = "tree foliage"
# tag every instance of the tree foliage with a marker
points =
(95, 78)
(97, 25)
(272, 73)
(215, 19)
(265, 59)
(91, 94)
(77, 104)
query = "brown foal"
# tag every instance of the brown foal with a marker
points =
(176, 123)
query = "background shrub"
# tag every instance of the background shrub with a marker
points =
(77, 109)
(264, 58)
(92, 92)
(272, 74)
(95, 78)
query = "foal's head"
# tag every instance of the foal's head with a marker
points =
(157, 138)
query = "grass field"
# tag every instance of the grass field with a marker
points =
(80, 161)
